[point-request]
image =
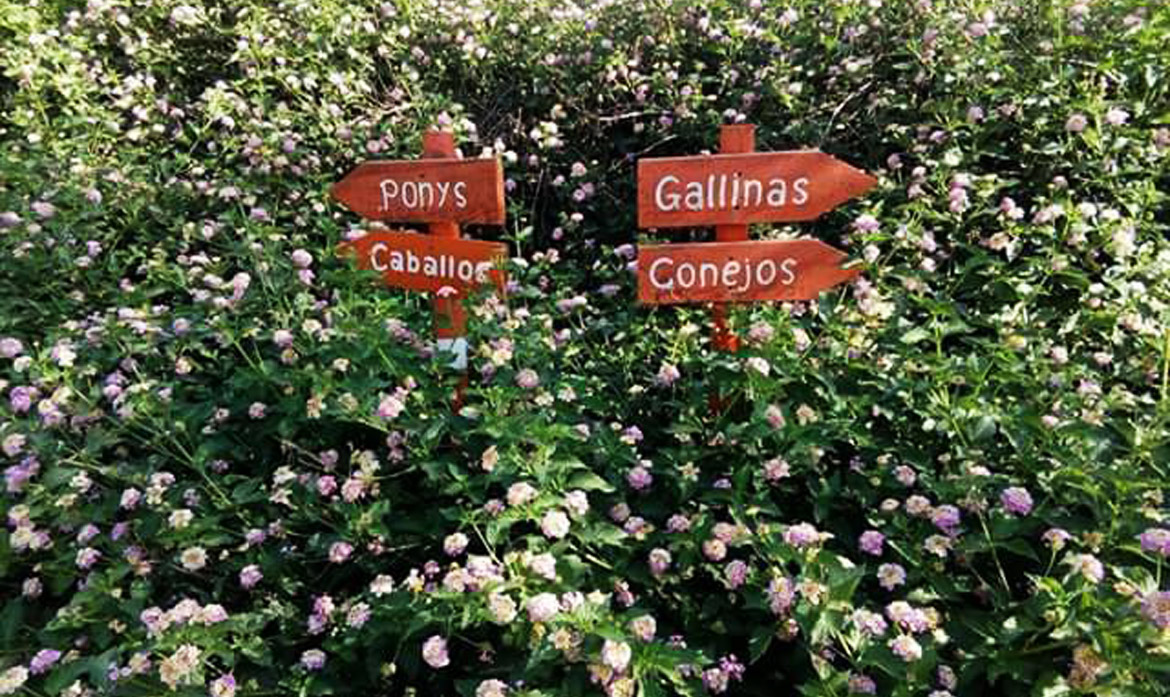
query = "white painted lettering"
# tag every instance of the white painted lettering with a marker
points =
(666, 201)
(654, 277)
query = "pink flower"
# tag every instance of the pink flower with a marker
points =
(434, 652)
(776, 469)
(527, 379)
(667, 374)
(714, 549)
(906, 648)
(339, 552)
(659, 561)
(390, 407)
(774, 416)
(454, 544)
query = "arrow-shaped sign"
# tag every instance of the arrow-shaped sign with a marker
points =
(744, 188)
(425, 191)
(738, 271)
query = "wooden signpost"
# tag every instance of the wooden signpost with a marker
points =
(441, 191)
(731, 190)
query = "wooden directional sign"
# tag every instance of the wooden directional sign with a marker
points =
(751, 187)
(425, 262)
(425, 191)
(738, 271)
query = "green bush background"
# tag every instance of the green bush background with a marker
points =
(195, 142)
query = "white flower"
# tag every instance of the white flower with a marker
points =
(555, 524)
(382, 585)
(616, 654)
(193, 558)
(13, 679)
(181, 518)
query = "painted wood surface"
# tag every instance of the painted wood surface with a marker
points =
(449, 267)
(743, 188)
(738, 271)
(442, 189)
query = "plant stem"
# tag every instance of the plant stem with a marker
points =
(995, 556)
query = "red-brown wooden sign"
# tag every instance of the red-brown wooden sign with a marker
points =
(425, 262)
(736, 189)
(434, 190)
(738, 271)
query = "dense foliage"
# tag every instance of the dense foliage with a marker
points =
(231, 462)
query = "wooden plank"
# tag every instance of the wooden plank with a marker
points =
(738, 271)
(425, 191)
(733, 138)
(412, 261)
(738, 189)
(450, 315)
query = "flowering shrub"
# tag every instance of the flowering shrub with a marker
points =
(231, 462)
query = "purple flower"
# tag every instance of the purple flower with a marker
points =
(801, 535)
(224, 686)
(869, 623)
(313, 659)
(1016, 500)
(736, 573)
(866, 223)
(945, 518)
(434, 652)
(10, 348)
(1156, 608)
(250, 575)
(43, 660)
(20, 399)
(862, 685)
(542, 607)
(87, 557)
(871, 542)
(781, 594)
(1156, 540)
(639, 478)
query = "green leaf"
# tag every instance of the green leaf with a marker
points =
(589, 481)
